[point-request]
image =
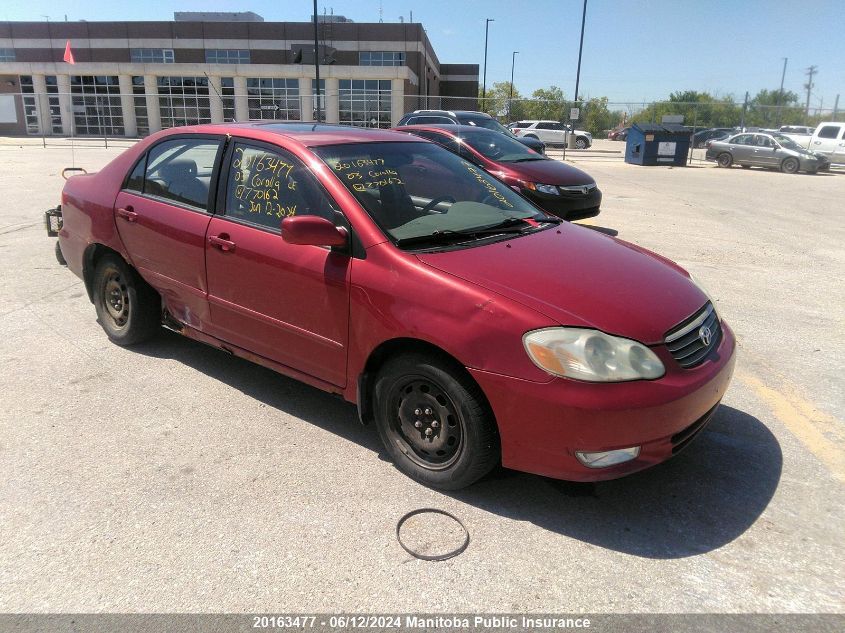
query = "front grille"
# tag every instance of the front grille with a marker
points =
(682, 439)
(686, 342)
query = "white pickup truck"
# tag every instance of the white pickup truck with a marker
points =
(827, 139)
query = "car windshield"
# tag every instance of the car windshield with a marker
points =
(424, 195)
(489, 124)
(787, 142)
(502, 149)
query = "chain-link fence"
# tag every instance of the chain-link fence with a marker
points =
(113, 115)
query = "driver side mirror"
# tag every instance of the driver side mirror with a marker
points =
(312, 230)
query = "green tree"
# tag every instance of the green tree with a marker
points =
(698, 108)
(498, 102)
(597, 118)
(549, 104)
(771, 108)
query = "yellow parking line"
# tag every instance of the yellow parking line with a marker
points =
(819, 432)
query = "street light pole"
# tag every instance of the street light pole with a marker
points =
(484, 84)
(510, 97)
(578, 72)
(317, 60)
(780, 94)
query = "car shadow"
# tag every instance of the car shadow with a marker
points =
(697, 502)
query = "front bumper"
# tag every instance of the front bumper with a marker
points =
(569, 206)
(542, 425)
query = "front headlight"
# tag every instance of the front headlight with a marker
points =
(591, 355)
(549, 189)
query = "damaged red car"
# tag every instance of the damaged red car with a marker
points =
(466, 324)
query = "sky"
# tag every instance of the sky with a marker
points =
(634, 50)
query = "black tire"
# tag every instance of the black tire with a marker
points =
(790, 166)
(580, 143)
(128, 309)
(724, 160)
(453, 442)
(59, 256)
(746, 166)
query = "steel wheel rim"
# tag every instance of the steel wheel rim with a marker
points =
(425, 423)
(116, 298)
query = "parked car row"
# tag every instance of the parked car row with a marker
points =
(468, 325)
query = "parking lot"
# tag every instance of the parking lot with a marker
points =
(173, 477)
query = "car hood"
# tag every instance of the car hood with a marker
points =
(579, 277)
(549, 172)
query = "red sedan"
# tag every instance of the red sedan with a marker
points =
(470, 327)
(555, 187)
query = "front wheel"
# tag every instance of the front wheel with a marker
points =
(580, 143)
(724, 160)
(789, 166)
(435, 422)
(128, 309)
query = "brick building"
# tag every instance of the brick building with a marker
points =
(133, 78)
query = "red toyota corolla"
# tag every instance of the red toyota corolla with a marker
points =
(468, 325)
(555, 187)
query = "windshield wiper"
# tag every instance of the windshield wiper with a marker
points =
(521, 160)
(443, 236)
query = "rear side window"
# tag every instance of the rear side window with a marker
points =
(181, 170)
(520, 124)
(441, 139)
(135, 182)
(264, 186)
(742, 139)
(829, 131)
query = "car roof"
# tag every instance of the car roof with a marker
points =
(307, 134)
(451, 130)
(454, 113)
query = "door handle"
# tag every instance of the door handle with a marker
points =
(127, 213)
(222, 242)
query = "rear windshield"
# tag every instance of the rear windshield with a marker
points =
(418, 189)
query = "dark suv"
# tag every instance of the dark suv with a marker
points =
(467, 117)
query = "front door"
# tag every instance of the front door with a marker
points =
(162, 217)
(285, 302)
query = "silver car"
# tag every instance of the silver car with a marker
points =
(774, 150)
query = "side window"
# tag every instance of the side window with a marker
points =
(265, 186)
(829, 131)
(135, 182)
(181, 170)
(742, 139)
(555, 126)
(441, 139)
(544, 126)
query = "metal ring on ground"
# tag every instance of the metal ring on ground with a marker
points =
(67, 169)
(445, 556)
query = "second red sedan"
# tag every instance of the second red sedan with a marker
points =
(555, 187)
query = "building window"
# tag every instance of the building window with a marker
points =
(139, 98)
(95, 103)
(30, 106)
(365, 103)
(151, 55)
(7, 54)
(318, 99)
(273, 98)
(227, 89)
(55, 107)
(226, 56)
(381, 58)
(183, 101)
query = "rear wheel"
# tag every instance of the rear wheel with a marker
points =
(789, 166)
(580, 143)
(128, 309)
(724, 160)
(435, 422)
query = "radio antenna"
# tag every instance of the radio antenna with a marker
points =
(222, 103)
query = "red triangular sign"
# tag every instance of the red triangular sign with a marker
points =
(69, 54)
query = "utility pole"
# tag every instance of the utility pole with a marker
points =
(484, 84)
(317, 61)
(510, 97)
(835, 108)
(780, 94)
(744, 110)
(812, 70)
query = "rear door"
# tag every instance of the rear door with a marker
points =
(827, 138)
(741, 148)
(162, 214)
(285, 302)
(764, 152)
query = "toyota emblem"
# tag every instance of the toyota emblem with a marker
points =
(705, 335)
